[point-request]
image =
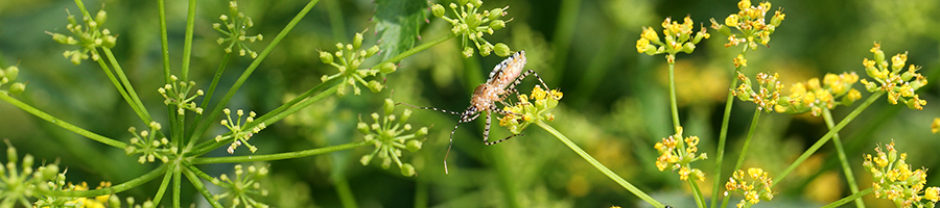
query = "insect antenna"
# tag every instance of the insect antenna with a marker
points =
(429, 108)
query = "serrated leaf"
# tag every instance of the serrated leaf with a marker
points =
(398, 24)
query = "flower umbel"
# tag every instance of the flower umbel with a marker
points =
(389, 134)
(244, 188)
(238, 131)
(754, 185)
(751, 25)
(19, 184)
(766, 96)
(530, 109)
(678, 153)
(889, 78)
(470, 23)
(177, 94)
(812, 96)
(8, 76)
(677, 38)
(148, 146)
(234, 32)
(349, 58)
(88, 36)
(895, 180)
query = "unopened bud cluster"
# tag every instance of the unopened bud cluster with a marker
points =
(390, 134)
(88, 36)
(471, 23)
(900, 84)
(895, 180)
(347, 59)
(813, 96)
(149, 146)
(19, 183)
(754, 185)
(234, 29)
(177, 93)
(239, 129)
(678, 153)
(8, 82)
(244, 188)
(676, 38)
(530, 109)
(750, 24)
(767, 94)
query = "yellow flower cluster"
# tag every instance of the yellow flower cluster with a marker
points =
(755, 185)
(677, 38)
(890, 79)
(935, 126)
(895, 180)
(813, 96)
(529, 109)
(767, 94)
(678, 153)
(751, 24)
(96, 202)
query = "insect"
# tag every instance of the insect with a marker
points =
(501, 83)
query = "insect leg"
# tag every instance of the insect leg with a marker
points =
(503, 139)
(429, 108)
(486, 128)
(464, 118)
(524, 75)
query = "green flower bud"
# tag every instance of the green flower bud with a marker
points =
(389, 106)
(12, 72)
(326, 58)
(467, 52)
(496, 13)
(101, 17)
(362, 127)
(413, 145)
(497, 24)
(407, 169)
(437, 10)
(422, 132)
(375, 86)
(60, 38)
(372, 51)
(388, 68)
(357, 40)
(502, 50)
(405, 115)
(17, 88)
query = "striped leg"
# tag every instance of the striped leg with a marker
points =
(502, 140)
(430, 108)
(486, 128)
(526, 74)
(466, 117)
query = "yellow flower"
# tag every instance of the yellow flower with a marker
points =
(898, 83)
(935, 126)
(932, 194)
(672, 156)
(754, 185)
(895, 180)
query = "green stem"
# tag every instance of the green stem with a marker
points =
(722, 138)
(848, 199)
(203, 126)
(117, 85)
(345, 194)
(210, 145)
(197, 183)
(167, 177)
(164, 43)
(672, 98)
(127, 84)
(812, 149)
(208, 97)
(335, 13)
(140, 180)
(188, 41)
(610, 174)
(697, 193)
(416, 49)
(279, 156)
(747, 144)
(564, 32)
(849, 176)
(61, 123)
(177, 185)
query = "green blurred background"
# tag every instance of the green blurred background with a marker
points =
(615, 103)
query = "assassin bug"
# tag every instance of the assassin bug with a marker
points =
(501, 83)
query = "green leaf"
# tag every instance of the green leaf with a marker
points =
(398, 24)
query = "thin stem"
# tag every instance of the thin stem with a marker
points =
(610, 174)
(849, 176)
(696, 193)
(215, 81)
(188, 40)
(848, 199)
(167, 177)
(140, 180)
(279, 156)
(127, 84)
(210, 145)
(346, 196)
(335, 13)
(117, 85)
(672, 97)
(197, 183)
(416, 49)
(722, 138)
(812, 149)
(204, 125)
(747, 144)
(177, 185)
(61, 123)
(164, 43)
